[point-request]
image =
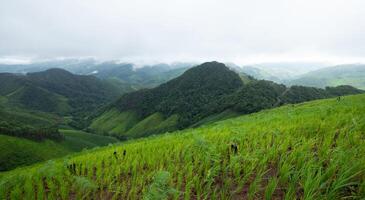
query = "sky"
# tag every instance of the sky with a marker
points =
(240, 31)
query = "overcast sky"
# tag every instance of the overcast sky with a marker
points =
(241, 31)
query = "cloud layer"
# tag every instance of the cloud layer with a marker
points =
(170, 30)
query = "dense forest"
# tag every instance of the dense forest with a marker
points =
(212, 88)
(29, 132)
(56, 91)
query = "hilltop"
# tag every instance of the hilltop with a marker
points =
(204, 93)
(311, 150)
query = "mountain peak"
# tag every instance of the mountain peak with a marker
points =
(52, 72)
(209, 75)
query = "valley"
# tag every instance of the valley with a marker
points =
(209, 133)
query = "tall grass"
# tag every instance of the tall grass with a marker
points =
(313, 150)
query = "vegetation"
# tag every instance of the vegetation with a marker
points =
(353, 75)
(39, 133)
(202, 92)
(311, 150)
(58, 92)
(141, 77)
(29, 124)
(78, 140)
(15, 151)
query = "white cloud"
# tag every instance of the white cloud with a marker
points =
(173, 30)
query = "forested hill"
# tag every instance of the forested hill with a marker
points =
(208, 91)
(55, 91)
(192, 94)
(33, 108)
(84, 93)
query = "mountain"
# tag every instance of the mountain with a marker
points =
(55, 91)
(332, 76)
(279, 71)
(127, 76)
(78, 66)
(312, 150)
(146, 76)
(174, 104)
(259, 74)
(204, 93)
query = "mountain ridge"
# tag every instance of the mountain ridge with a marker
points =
(200, 92)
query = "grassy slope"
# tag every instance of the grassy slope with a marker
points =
(129, 126)
(217, 117)
(78, 140)
(31, 97)
(314, 150)
(152, 124)
(16, 151)
(107, 121)
(18, 115)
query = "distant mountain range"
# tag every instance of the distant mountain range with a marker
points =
(280, 71)
(332, 76)
(207, 92)
(128, 76)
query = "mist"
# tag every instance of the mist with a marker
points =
(239, 31)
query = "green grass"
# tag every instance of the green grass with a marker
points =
(127, 124)
(114, 122)
(217, 117)
(313, 150)
(79, 140)
(15, 152)
(154, 123)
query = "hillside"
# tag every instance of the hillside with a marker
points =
(353, 75)
(15, 151)
(175, 104)
(202, 92)
(312, 150)
(56, 91)
(33, 125)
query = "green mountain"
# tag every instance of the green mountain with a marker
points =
(56, 91)
(312, 150)
(175, 104)
(203, 93)
(34, 106)
(127, 75)
(353, 75)
(139, 77)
